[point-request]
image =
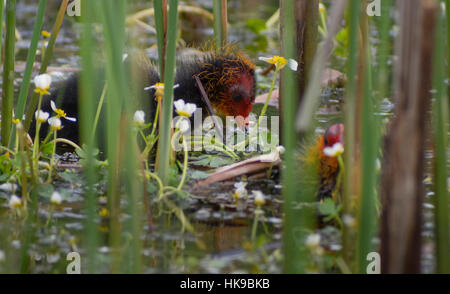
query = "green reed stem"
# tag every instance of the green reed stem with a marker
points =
(26, 80)
(383, 52)
(296, 224)
(113, 19)
(369, 148)
(160, 33)
(134, 190)
(28, 232)
(264, 109)
(164, 148)
(100, 103)
(220, 23)
(447, 11)
(255, 224)
(52, 159)
(441, 159)
(46, 61)
(2, 8)
(8, 72)
(349, 118)
(36, 136)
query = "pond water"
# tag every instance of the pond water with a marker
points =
(223, 226)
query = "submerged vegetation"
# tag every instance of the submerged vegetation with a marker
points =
(294, 139)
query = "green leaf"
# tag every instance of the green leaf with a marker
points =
(256, 25)
(152, 187)
(218, 161)
(47, 149)
(45, 190)
(203, 160)
(258, 44)
(198, 175)
(327, 207)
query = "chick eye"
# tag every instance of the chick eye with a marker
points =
(237, 97)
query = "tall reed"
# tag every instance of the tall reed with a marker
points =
(46, 61)
(220, 22)
(441, 161)
(160, 8)
(382, 73)
(8, 72)
(164, 146)
(447, 16)
(2, 8)
(113, 20)
(294, 224)
(26, 80)
(88, 80)
(349, 118)
(369, 148)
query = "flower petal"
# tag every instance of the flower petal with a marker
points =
(265, 59)
(190, 108)
(292, 64)
(71, 118)
(53, 105)
(179, 104)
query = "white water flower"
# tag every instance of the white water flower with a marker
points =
(260, 199)
(281, 149)
(60, 113)
(292, 64)
(42, 83)
(184, 109)
(348, 220)
(56, 198)
(55, 123)
(240, 190)
(159, 88)
(41, 116)
(139, 117)
(2, 256)
(322, 8)
(280, 62)
(8, 187)
(183, 125)
(15, 202)
(334, 151)
(313, 241)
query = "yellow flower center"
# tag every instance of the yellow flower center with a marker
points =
(60, 112)
(103, 212)
(159, 89)
(16, 121)
(42, 91)
(183, 113)
(278, 61)
(56, 128)
(46, 34)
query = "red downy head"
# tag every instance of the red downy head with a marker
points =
(334, 134)
(241, 95)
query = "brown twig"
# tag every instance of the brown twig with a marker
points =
(268, 70)
(209, 107)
